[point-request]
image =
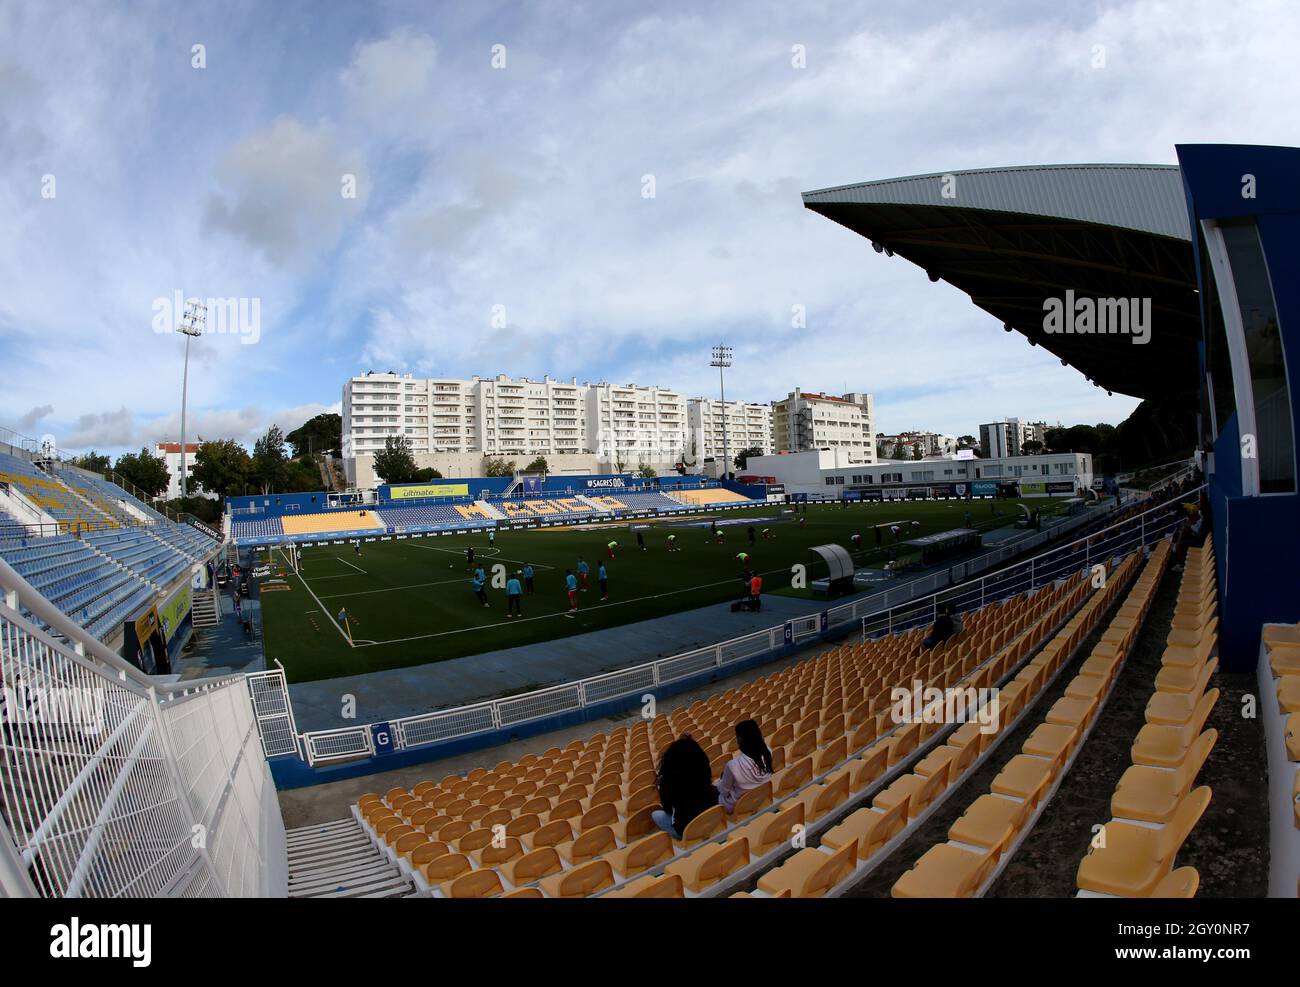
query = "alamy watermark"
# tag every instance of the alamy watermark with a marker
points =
(240, 317)
(1098, 316)
(79, 706)
(930, 704)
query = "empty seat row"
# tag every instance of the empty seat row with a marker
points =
(1154, 808)
(995, 823)
(875, 830)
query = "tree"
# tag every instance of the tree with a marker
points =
(222, 467)
(270, 464)
(324, 433)
(499, 467)
(1032, 447)
(743, 457)
(647, 472)
(302, 475)
(94, 462)
(394, 463)
(916, 451)
(426, 474)
(147, 472)
(538, 465)
(900, 450)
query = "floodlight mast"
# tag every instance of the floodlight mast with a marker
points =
(191, 326)
(721, 360)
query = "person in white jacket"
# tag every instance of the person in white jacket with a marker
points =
(751, 766)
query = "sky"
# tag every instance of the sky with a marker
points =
(594, 190)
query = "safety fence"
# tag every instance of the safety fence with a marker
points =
(112, 784)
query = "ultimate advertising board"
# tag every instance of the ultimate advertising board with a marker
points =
(415, 491)
(175, 610)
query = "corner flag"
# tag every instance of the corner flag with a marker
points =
(343, 620)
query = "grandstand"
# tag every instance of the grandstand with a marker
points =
(331, 523)
(90, 548)
(549, 509)
(254, 521)
(708, 497)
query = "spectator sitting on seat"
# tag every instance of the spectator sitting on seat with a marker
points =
(943, 628)
(751, 766)
(685, 786)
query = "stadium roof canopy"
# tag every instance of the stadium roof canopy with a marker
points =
(1013, 237)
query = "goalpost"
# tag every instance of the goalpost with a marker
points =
(286, 553)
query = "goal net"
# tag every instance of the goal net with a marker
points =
(285, 554)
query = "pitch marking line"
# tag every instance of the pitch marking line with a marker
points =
(490, 553)
(325, 611)
(339, 558)
(393, 589)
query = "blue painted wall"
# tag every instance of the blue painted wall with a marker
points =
(1257, 539)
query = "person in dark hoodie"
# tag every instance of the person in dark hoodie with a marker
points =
(685, 786)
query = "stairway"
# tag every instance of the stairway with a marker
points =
(206, 611)
(337, 860)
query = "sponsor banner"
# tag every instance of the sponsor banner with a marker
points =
(984, 488)
(1060, 486)
(174, 611)
(1032, 487)
(146, 624)
(606, 483)
(418, 490)
(872, 495)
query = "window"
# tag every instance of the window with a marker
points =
(1275, 446)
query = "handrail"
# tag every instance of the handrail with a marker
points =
(18, 594)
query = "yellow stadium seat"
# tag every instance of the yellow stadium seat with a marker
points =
(586, 879)
(946, 871)
(810, 873)
(710, 863)
(1153, 794)
(1136, 858)
(869, 829)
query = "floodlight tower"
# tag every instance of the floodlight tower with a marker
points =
(191, 327)
(722, 360)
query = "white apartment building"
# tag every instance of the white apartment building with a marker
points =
(931, 443)
(806, 420)
(748, 426)
(1008, 438)
(823, 473)
(170, 452)
(631, 426)
(453, 424)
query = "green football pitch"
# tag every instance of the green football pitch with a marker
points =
(410, 602)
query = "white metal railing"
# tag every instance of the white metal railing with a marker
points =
(113, 783)
(894, 609)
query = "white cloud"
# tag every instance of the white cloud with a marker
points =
(282, 191)
(522, 187)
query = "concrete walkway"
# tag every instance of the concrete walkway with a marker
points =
(223, 649)
(399, 692)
